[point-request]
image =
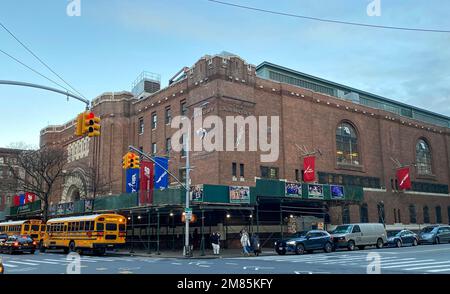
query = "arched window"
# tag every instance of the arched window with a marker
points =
(423, 158)
(381, 213)
(347, 144)
(438, 215)
(426, 215)
(412, 214)
(364, 213)
(346, 214)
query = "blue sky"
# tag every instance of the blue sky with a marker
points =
(113, 41)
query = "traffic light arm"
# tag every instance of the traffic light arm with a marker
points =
(132, 148)
(68, 94)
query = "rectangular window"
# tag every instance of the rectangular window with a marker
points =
(242, 170)
(154, 120)
(168, 115)
(153, 148)
(168, 145)
(269, 172)
(141, 126)
(297, 175)
(111, 227)
(183, 107)
(100, 227)
(234, 169)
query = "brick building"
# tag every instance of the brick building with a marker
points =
(358, 134)
(9, 186)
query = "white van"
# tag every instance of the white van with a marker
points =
(359, 235)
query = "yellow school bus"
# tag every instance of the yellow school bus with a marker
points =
(91, 232)
(34, 228)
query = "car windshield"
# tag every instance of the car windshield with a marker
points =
(342, 229)
(428, 229)
(392, 233)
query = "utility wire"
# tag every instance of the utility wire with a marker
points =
(40, 60)
(35, 71)
(329, 20)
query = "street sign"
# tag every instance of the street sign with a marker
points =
(188, 213)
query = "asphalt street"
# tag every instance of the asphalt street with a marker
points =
(427, 259)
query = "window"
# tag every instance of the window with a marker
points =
(448, 214)
(345, 214)
(395, 215)
(412, 214)
(154, 120)
(111, 227)
(381, 213)
(364, 213)
(141, 126)
(100, 227)
(356, 229)
(183, 108)
(182, 175)
(347, 144)
(297, 175)
(234, 169)
(168, 145)
(242, 170)
(153, 148)
(399, 216)
(269, 172)
(438, 215)
(426, 215)
(2, 160)
(168, 118)
(423, 158)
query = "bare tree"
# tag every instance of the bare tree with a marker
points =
(40, 172)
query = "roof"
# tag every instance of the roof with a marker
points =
(77, 218)
(337, 86)
(16, 223)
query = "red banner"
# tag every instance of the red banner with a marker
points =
(147, 182)
(16, 200)
(29, 197)
(309, 172)
(403, 178)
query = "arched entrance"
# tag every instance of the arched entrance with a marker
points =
(75, 187)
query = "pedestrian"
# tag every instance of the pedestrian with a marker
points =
(245, 242)
(215, 241)
(256, 245)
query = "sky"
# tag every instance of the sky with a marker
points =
(112, 41)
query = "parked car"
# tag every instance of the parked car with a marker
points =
(310, 241)
(3, 238)
(399, 238)
(359, 235)
(435, 235)
(18, 244)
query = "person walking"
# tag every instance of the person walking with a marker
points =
(215, 241)
(245, 242)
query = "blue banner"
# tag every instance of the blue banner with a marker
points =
(132, 180)
(22, 199)
(161, 176)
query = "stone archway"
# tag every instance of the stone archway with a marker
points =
(75, 187)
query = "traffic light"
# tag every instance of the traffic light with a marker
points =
(79, 125)
(130, 160)
(91, 124)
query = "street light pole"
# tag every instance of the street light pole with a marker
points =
(187, 251)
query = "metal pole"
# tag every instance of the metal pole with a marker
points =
(173, 232)
(257, 218)
(186, 239)
(281, 221)
(149, 228)
(157, 234)
(203, 234)
(132, 233)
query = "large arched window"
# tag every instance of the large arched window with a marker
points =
(412, 214)
(364, 213)
(423, 158)
(381, 213)
(438, 215)
(426, 215)
(346, 214)
(347, 144)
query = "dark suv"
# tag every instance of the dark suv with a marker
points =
(310, 241)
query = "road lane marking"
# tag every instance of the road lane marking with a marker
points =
(430, 266)
(41, 261)
(439, 270)
(417, 264)
(406, 262)
(9, 265)
(21, 262)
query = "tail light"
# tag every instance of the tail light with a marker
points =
(34, 243)
(16, 244)
(100, 234)
(122, 234)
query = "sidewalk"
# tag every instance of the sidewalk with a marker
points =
(224, 253)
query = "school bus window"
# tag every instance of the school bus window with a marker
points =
(111, 227)
(82, 226)
(100, 227)
(122, 228)
(35, 228)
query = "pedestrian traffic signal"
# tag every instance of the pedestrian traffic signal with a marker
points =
(130, 160)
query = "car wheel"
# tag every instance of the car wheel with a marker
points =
(398, 244)
(437, 241)
(299, 249)
(72, 246)
(11, 251)
(351, 246)
(380, 243)
(415, 243)
(281, 252)
(328, 247)
(100, 252)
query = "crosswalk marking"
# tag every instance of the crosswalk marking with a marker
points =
(41, 261)
(439, 270)
(21, 262)
(412, 260)
(447, 264)
(9, 265)
(418, 263)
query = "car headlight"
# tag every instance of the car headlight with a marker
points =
(291, 243)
